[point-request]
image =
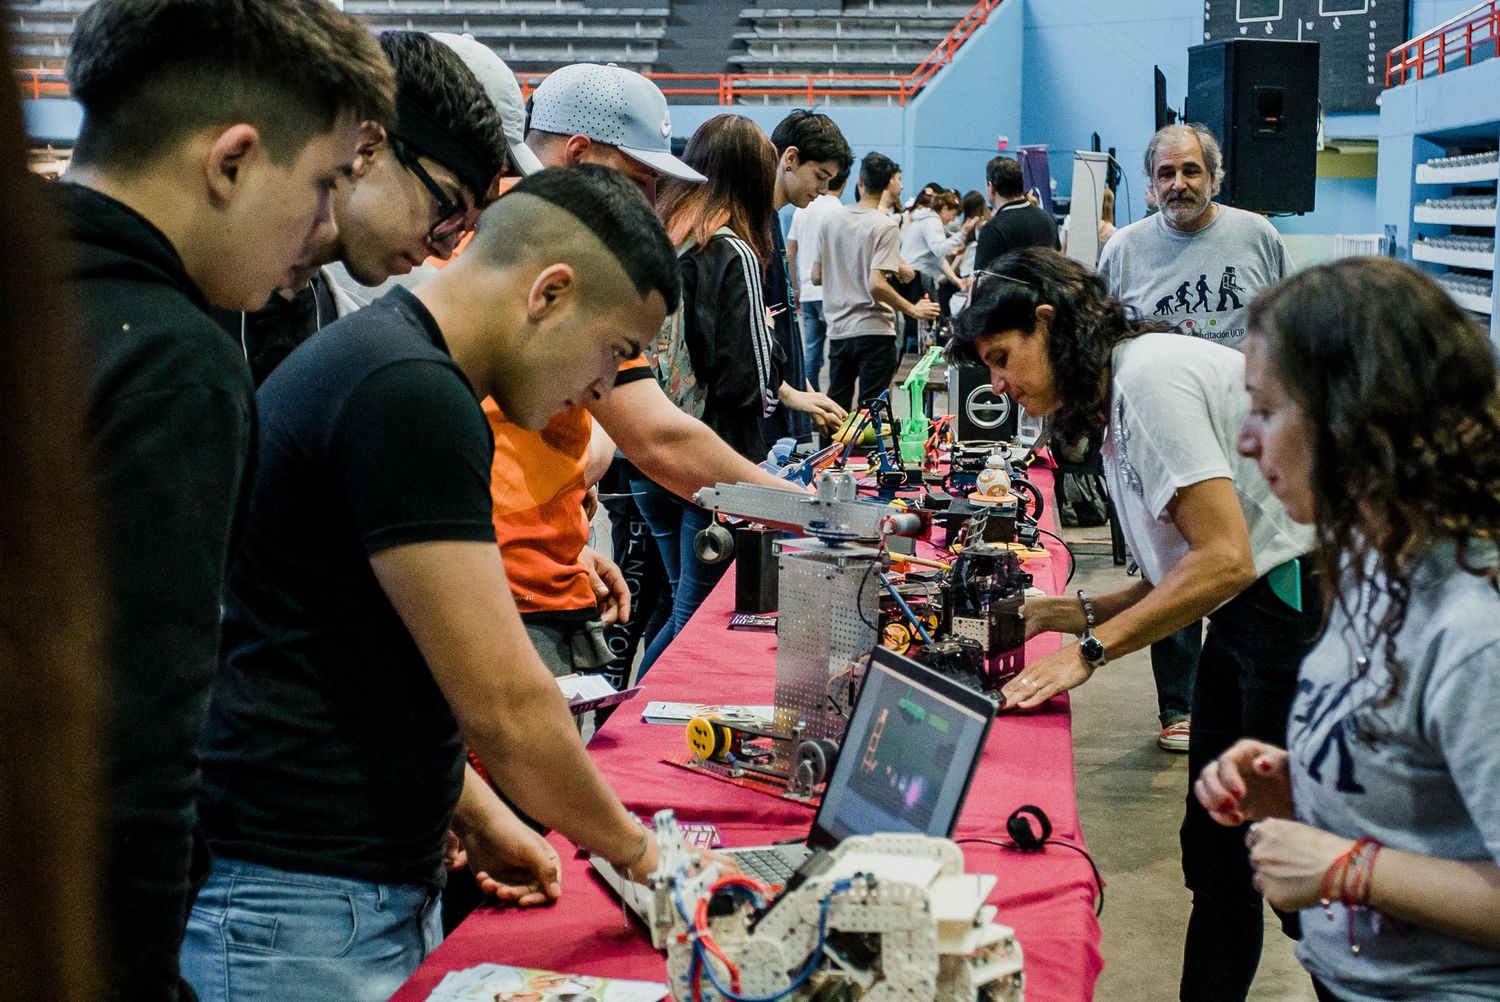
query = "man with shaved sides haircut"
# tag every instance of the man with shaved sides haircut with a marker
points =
(370, 630)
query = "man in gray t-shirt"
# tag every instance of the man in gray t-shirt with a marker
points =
(858, 251)
(1194, 264)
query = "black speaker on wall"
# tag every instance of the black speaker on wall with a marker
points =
(1260, 98)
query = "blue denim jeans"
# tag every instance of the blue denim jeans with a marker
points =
(814, 337)
(261, 934)
(674, 523)
(1174, 663)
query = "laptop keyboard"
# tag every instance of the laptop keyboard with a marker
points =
(765, 865)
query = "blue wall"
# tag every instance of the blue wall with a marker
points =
(1041, 71)
(1054, 71)
(948, 132)
(954, 125)
(1088, 68)
(52, 120)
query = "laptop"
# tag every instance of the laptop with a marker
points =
(908, 757)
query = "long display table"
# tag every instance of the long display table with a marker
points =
(1047, 896)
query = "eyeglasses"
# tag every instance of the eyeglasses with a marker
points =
(454, 220)
(981, 276)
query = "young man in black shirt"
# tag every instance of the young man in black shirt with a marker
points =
(1016, 222)
(213, 137)
(370, 630)
(416, 189)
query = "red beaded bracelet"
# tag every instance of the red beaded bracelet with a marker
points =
(1347, 880)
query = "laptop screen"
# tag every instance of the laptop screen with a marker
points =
(913, 742)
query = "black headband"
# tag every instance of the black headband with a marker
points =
(417, 127)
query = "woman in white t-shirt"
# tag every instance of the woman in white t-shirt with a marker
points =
(1376, 415)
(1210, 537)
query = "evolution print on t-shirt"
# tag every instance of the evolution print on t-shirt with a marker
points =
(1202, 297)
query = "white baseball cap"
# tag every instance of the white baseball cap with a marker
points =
(614, 106)
(500, 85)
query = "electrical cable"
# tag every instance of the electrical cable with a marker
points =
(803, 976)
(1129, 216)
(1098, 877)
(859, 599)
(1072, 558)
(758, 893)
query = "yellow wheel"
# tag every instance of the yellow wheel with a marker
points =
(707, 738)
(896, 637)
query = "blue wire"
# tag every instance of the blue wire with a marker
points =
(802, 977)
(905, 609)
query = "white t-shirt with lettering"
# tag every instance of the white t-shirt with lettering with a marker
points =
(1175, 410)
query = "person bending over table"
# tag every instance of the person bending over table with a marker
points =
(1375, 416)
(369, 629)
(1209, 535)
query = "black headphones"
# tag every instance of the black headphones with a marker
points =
(1021, 832)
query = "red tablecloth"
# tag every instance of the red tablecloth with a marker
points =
(1046, 897)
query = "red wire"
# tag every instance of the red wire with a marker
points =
(739, 880)
(700, 923)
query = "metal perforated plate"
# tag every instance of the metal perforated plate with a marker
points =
(829, 608)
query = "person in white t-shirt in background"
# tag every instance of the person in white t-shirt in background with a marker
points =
(1195, 265)
(801, 252)
(961, 273)
(1211, 538)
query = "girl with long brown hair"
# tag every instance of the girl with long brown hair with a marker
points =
(722, 229)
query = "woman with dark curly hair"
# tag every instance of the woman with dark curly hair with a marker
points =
(1375, 416)
(1211, 539)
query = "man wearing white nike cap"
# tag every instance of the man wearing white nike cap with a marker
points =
(565, 592)
(606, 115)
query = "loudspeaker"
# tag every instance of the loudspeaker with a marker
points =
(981, 415)
(1259, 97)
(755, 569)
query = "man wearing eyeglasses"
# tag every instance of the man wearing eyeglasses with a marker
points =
(415, 190)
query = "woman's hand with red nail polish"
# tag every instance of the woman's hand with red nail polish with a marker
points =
(1246, 783)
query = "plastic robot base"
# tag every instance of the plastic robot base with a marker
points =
(889, 917)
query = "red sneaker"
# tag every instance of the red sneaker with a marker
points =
(1174, 736)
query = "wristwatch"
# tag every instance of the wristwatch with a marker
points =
(1089, 646)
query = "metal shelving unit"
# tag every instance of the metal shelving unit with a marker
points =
(1462, 262)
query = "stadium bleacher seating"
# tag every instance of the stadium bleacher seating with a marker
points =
(870, 37)
(530, 35)
(880, 39)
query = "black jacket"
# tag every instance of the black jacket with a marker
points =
(171, 418)
(732, 348)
